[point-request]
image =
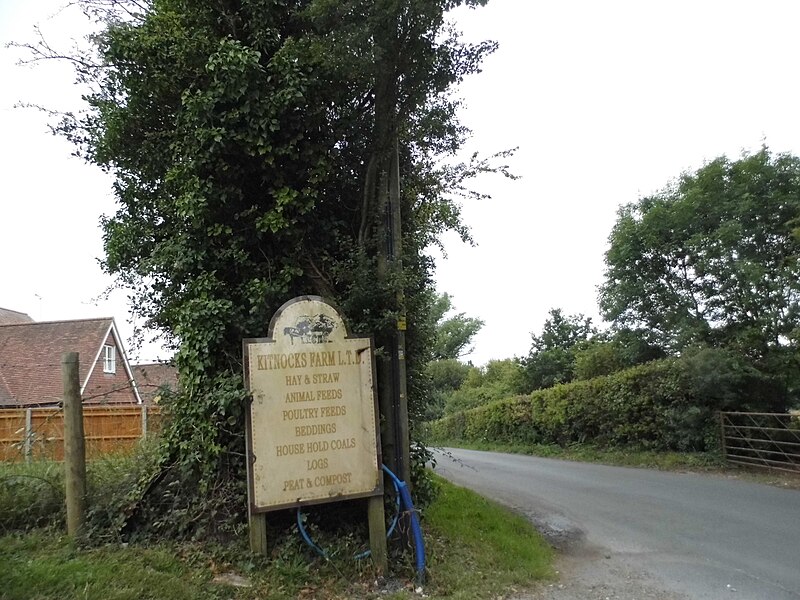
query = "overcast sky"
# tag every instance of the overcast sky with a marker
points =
(606, 102)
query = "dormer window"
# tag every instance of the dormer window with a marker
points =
(109, 359)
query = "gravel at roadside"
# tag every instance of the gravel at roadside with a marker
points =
(587, 575)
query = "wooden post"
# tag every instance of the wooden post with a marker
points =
(386, 360)
(257, 521)
(28, 442)
(144, 421)
(74, 445)
(258, 533)
(377, 534)
(722, 444)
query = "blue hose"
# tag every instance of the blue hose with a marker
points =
(362, 555)
(307, 537)
(404, 501)
(419, 545)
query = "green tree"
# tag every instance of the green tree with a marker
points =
(449, 374)
(505, 376)
(607, 353)
(256, 148)
(551, 359)
(498, 380)
(713, 260)
(446, 376)
(453, 334)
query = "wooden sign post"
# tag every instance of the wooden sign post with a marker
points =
(312, 427)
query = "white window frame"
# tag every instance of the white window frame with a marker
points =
(109, 359)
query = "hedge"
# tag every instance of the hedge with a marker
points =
(661, 405)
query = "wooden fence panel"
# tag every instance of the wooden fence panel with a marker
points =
(47, 434)
(12, 434)
(107, 429)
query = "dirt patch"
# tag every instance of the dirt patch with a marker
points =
(585, 572)
(591, 574)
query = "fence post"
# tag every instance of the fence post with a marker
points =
(722, 443)
(28, 442)
(74, 445)
(144, 421)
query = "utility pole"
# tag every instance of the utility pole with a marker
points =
(393, 398)
(400, 383)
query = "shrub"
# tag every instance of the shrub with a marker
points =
(662, 405)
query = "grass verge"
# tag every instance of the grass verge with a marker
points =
(695, 462)
(42, 565)
(625, 457)
(476, 549)
(479, 549)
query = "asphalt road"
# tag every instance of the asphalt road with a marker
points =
(703, 537)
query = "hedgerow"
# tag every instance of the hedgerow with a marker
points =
(667, 404)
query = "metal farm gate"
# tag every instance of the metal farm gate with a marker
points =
(768, 440)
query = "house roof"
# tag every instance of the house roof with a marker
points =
(5, 393)
(12, 317)
(152, 377)
(30, 357)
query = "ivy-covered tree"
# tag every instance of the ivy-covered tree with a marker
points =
(257, 148)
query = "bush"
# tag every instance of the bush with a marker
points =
(497, 380)
(662, 405)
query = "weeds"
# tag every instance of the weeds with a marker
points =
(31, 495)
(475, 548)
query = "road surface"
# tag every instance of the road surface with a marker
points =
(691, 536)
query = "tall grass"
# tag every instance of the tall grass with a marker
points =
(476, 549)
(32, 493)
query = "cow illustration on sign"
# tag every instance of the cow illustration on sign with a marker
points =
(311, 330)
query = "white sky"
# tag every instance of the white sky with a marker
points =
(606, 101)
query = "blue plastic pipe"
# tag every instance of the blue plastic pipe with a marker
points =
(404, 502)
(302, 528)
(419, 545)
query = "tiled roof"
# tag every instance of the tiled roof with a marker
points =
(12, 317)
(150, 378)
(30, 357)
(5, 393)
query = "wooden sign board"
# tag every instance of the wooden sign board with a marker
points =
(312, 426)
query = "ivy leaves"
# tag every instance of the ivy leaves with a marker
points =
(247, 141)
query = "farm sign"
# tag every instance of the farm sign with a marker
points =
(312, 434)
